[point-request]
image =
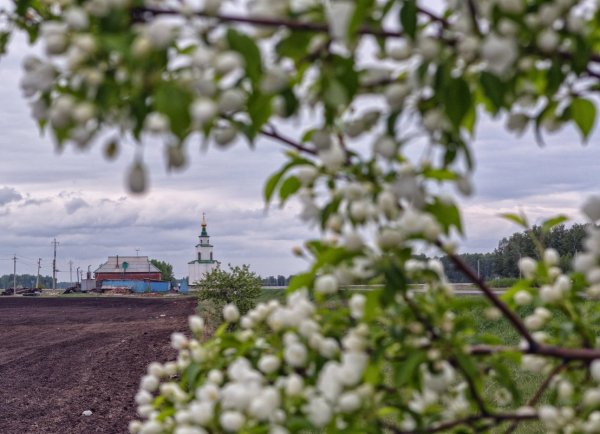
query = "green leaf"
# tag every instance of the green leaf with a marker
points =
(259, 109)
(552, 222)
(362, 8)
(174, 101)
(405, 372)
(290, 186)
(408, 17)
(294, 46)
(457, 96)
(246, 46)
(447, 215)
(493, 89)
(521, 220)
(583, 112)
(4, 38)
(440, 174)
(272, 184)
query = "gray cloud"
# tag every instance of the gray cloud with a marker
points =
(8, 195)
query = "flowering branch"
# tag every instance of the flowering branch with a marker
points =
(506, 311)
(539, 392)
(470, 420)
(145, 13)
(274, 134)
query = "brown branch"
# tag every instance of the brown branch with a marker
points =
(142, 14)
(538, 393)
(565, 354)
(469, 420)
(453, 361)
(274, 134)
(506, 311)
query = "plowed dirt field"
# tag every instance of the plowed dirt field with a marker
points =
(62, 356)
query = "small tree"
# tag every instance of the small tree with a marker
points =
(166, 270)
(239, 285)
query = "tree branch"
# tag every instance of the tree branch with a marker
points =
(469, 420)
(538, 393)
(142, 14)
(506, 311)
(274, 134)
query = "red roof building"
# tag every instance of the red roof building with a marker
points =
(127, 268)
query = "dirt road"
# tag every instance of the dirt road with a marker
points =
(61, 356)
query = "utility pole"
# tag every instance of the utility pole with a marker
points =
(54, 243)
(77, 274)
(137, 252)
(15, 274)
(71, 273)
(37, 280)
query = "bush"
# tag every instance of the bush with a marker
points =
(238, 286)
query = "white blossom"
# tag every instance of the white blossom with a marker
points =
(499, 53)
(231, 313)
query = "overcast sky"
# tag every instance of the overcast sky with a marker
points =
(80, 198)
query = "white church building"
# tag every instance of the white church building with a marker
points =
(204, 261)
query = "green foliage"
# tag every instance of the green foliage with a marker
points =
(239, 285)
(166, 270)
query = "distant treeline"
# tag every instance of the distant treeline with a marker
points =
(25, 281)
(276, 281)
(502, 262)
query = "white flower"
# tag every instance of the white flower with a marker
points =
(156, 123)
(231, 313)
(517, 122)
(595, 370)
(227, 62)
(550, 416)
(591, 208)
(339, 13)
(534, 322)
(268, 364)
(208, 392)
(137, 179)
(499, 53)
(264, 405)
(389, 238)
(202, 413)
(333, 158)
(522, 298)
(359, 210)
(512, 6)
(550, 294)
(149, 383)
(321, 139)
(232, 421)
(294, 384)
(275, 80)
(76, 18)
(224, 135)
(326, 284)
(215, 376)
(395, 94)
(433, 120)
(318, 411)
(143, 397)
(548, 40)
(399, 51)
(429, 48)
(178, 341)
(386, 147)
(295, 355)
(527, 266)
(196, 323)
(357, 306)
(349, 402)
(160, 33)
(203, 110)
(151, 427)
(232, 100)
(307, 175)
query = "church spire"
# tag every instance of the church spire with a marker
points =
(204, 233)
